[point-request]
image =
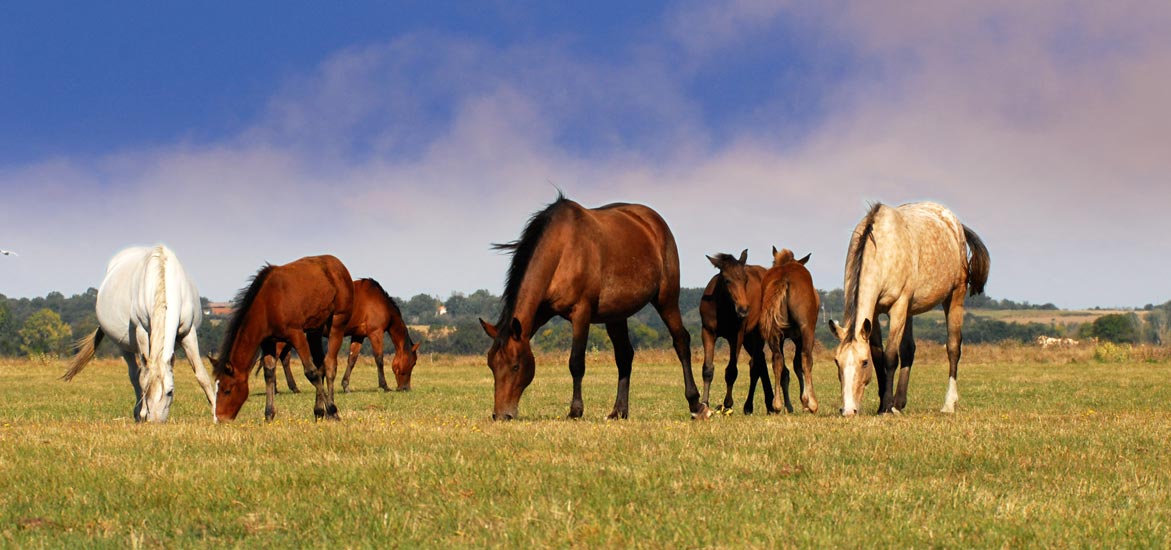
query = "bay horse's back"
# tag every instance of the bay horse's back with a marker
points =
(636, 230)
(323, 286)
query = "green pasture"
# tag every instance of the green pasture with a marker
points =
(1053, 451)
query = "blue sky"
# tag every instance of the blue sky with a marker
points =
(405, 137)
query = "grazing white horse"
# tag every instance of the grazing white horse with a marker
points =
(902, 262)
(145, 304)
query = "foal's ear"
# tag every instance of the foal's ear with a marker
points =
(743, 257)
(714, 262)
(836, 329)
(488, 328)
(805, 259)
(516, 329)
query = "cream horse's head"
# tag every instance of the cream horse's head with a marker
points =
(855, 363)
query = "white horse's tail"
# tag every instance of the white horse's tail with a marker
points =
(86, 348)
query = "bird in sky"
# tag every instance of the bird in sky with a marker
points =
(8, 253)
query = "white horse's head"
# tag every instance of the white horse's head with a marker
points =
(854, 359)
(158, 392)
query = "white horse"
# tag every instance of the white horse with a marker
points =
(904, 261)
(145, 304)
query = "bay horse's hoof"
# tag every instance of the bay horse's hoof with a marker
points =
(295, 389)
(616, 415)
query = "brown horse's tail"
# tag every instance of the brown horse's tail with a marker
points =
(775, 311)
(978, 264)
(86, 348)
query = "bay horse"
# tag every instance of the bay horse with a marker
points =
(598, 265)
(146, 304)
(902, 262)
(789, 305)
(374, 313)
(730, 309)
(296, 303)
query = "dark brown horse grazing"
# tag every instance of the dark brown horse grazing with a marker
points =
(730, 309)
(374, 313)
(597, 265)
(296, 303)
(789, 305)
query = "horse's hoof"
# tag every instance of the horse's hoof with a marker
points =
(616, 415)
(703, 413)
(295, 390)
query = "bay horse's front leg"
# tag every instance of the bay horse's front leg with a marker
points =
(337, 334)
(624, 358)
(376, 347)
(709, 367)
(268, 362)
(355, 351)
(669, 312)
(581, 333)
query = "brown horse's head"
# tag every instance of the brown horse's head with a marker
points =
(403, 364)
(511, 360)
(735, 279)
(855, 361)
(231, 388)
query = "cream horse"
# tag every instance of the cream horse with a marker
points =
(145, 304)
(902, 262)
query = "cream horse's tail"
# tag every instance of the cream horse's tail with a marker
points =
(86, 348)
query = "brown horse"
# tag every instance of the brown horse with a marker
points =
(374, 313)
(730, 309)
(295, 303)
(904, 261)
(598, 265)
(790, 304)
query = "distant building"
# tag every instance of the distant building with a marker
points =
(217, 309)
(441, 310)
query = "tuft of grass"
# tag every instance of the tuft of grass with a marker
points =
(1045, 450)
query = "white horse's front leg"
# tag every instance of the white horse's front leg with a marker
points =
(191, 348)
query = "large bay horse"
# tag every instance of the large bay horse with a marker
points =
(598, 265)
(730, 309)
(789, 305)
(145, 305)
(374, 313)
(296, 303)
(902, 262)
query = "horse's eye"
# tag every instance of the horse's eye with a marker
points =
(516, 367)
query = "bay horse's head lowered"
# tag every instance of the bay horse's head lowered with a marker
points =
(511, 360)
(231, 384)
(402, 365)
(735, 279)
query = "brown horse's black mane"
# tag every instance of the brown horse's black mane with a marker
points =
(240, 306)
(390, 303)
(522, 255)
(854, 277)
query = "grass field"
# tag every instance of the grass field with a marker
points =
(1046, 449)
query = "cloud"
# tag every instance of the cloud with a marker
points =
(1042, 127)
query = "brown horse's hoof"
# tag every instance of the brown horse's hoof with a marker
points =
(295, 389)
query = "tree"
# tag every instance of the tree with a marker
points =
(420, 308)
(45, 332)
(1117, 328)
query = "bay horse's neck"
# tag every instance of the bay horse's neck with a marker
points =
(397, 328)
(247, 341)
(534, 289)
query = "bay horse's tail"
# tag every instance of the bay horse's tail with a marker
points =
(86, 348)
(978, 264)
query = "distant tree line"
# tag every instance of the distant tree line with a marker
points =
(49, 325)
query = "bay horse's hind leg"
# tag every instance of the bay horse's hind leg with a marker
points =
(624, 358)
(577, 363)
(310, 355)
(669, 312)
(132, 370)
(953, 309)
(337, 333)
(355, 351)
(906, 359)
(290, 380)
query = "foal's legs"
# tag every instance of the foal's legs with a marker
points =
(781, 372)
(669, 312)
(758, 371)
(906, 359)
(709, 367)
(581, 333)
(355, 351)
(624, 358)
(803, 367)
(953, 309)
(732, 371)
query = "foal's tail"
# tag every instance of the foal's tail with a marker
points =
(978, 264)
(86, 348)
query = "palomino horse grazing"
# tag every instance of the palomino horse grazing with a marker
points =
(902, 262)
(145, 304)
(789, 305)
(296, 303)
(730, 309)
(597, 265)
(374, 313)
